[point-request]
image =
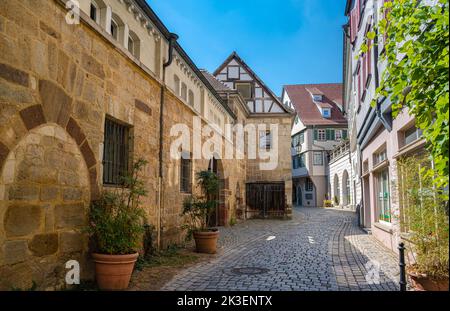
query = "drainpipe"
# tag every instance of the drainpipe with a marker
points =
(172, 40)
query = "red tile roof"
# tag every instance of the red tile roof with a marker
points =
(307, 110)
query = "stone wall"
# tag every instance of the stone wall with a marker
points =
(283, 170)
(58, 82)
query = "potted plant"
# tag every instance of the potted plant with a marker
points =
(336, 200)
(198, 210)
(425, 224)
(116, 228)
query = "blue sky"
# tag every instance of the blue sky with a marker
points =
(283, 41)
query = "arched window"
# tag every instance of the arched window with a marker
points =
(191, 98)
(183, 91)
(96, 9)
(117, 29)
(346, 188)
(337, 190)
(114, 29)
(176, 85)
(94, 12)
(186, 173)
(134, 44)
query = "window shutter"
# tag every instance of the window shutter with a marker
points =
(344, 134)
(358, 13)
(369, 58)
(328, 134)
(359, 88)
(364, 69)
(315, 135)
(332, 135)
(353, 24)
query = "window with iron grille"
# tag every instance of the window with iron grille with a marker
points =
(309, 186)
(185, 174)
(115, 152)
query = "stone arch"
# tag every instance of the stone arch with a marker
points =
(345, 188)
(56, 108)
(44, 207)
(36, 240)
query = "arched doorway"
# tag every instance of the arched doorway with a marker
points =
(299, 195)
(337, 191)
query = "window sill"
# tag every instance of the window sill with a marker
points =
(410, 148)
(386, 227)
(380, 166)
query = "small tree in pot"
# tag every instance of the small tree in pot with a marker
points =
(116, 229)
(199, 209)
(425, 223)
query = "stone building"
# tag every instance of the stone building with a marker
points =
(377, 140)
(268, 188)
(83, 94)
(319, 127)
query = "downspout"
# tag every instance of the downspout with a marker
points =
(172, 40)
(386, 123)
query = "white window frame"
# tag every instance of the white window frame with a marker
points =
(309, 182)
(321, 135)
(97, 11)
(326, 113)
(131, 47)
(184, 91)
(316, 155)
(177, 85)
(114, 25)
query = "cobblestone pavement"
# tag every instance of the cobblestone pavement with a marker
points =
(318, 250)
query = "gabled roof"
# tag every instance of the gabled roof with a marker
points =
(166, 34)
(236, 57)
(307, 109)
(216, 84)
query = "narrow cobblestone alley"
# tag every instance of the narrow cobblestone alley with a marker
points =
(318, 250)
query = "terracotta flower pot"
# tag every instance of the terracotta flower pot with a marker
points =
(113, 272)
(421, 282)
(206, 241)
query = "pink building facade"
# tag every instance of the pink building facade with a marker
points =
(377, 139)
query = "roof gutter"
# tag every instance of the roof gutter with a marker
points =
(167, 34)
(172, 40)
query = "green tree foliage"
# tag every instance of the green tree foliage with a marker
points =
(424, 218)
(198, 208)
(416, 48)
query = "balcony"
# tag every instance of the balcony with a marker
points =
(340, 151)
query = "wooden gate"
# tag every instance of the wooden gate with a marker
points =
(266, 199)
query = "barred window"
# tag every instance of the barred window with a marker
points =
(309, 185)
(185, 173)
(115, 152)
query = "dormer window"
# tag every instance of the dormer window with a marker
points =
(317, 97)
(326, 112)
